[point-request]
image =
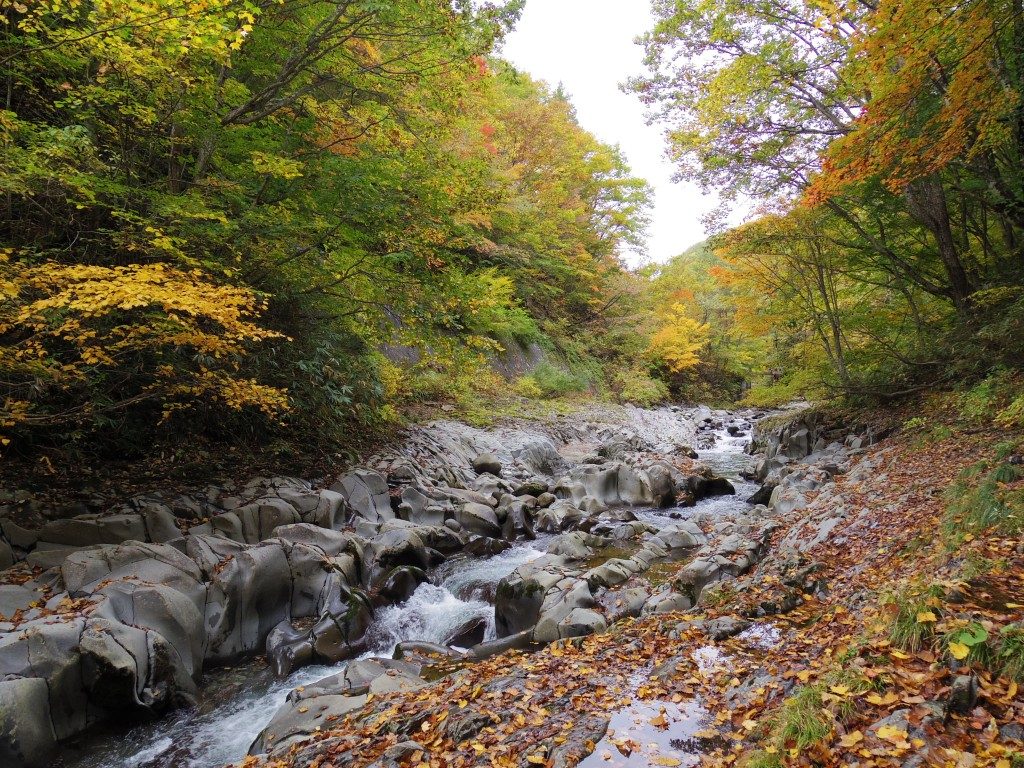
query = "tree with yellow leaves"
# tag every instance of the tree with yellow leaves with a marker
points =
(679, 340)
(110, 338)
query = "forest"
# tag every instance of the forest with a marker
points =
(353, 412)
(296, 222)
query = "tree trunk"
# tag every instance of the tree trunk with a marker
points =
(926, 201)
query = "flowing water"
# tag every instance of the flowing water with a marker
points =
(236, 703)
(726, 458)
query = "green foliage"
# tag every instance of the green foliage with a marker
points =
(803, 720)
(982, 497)
(637, 386)
(991, 399)
(527, 386)
(905, 607)
(315, 182)
(884, 254)
(1009, 655)
(973, 637)
(553, 380)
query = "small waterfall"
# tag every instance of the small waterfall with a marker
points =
(436, 612)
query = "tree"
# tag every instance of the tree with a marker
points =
(679, 340)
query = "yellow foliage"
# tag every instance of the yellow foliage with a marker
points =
(71, 323)
(679, 339)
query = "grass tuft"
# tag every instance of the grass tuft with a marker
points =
(905, 606)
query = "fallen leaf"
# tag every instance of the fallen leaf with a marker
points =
(891, 733)
(881, 701)
(959, 651)
(852, 739)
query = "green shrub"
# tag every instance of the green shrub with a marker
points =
(1009, 656)
(906, 605)
(804, 721)
(980, 498)
(554, 381)
(992, 397)
(636, 386)
(526, 386)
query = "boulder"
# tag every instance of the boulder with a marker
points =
(149, 563)
(667, 601)
(395, 547)
(340, 632)
(487, 463)
(27, 737)
(14, 598)
(520, 595)
(366, 492)
(298, 720)
(535, 488)
(94, 529)
(662, 485)
(288, 649)
(248, 595)
(479, 519)
(469, 634)
(762, 495)
(703, 487)
(400, 583)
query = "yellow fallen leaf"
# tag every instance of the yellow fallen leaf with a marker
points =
(667, 761)
(750, 724)
(898, 654)
(891, 733)
(536, 759)
(959, 651)
(925, 617)
(840, 690)
(882, 701)
(852, 739)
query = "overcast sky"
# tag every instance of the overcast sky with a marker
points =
(587, 45)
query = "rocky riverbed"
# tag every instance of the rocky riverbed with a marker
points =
(456, 546)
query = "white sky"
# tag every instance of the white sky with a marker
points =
(587, 45)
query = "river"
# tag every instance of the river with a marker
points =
(236, 702)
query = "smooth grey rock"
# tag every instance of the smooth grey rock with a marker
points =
(478, 519)
(487, 463)
(94, 529)
(724, 627)
(14, 597)
(26, 734)
(366, 493)
(667, 602)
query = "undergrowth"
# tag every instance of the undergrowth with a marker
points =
(988, 494)
(913, 612)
